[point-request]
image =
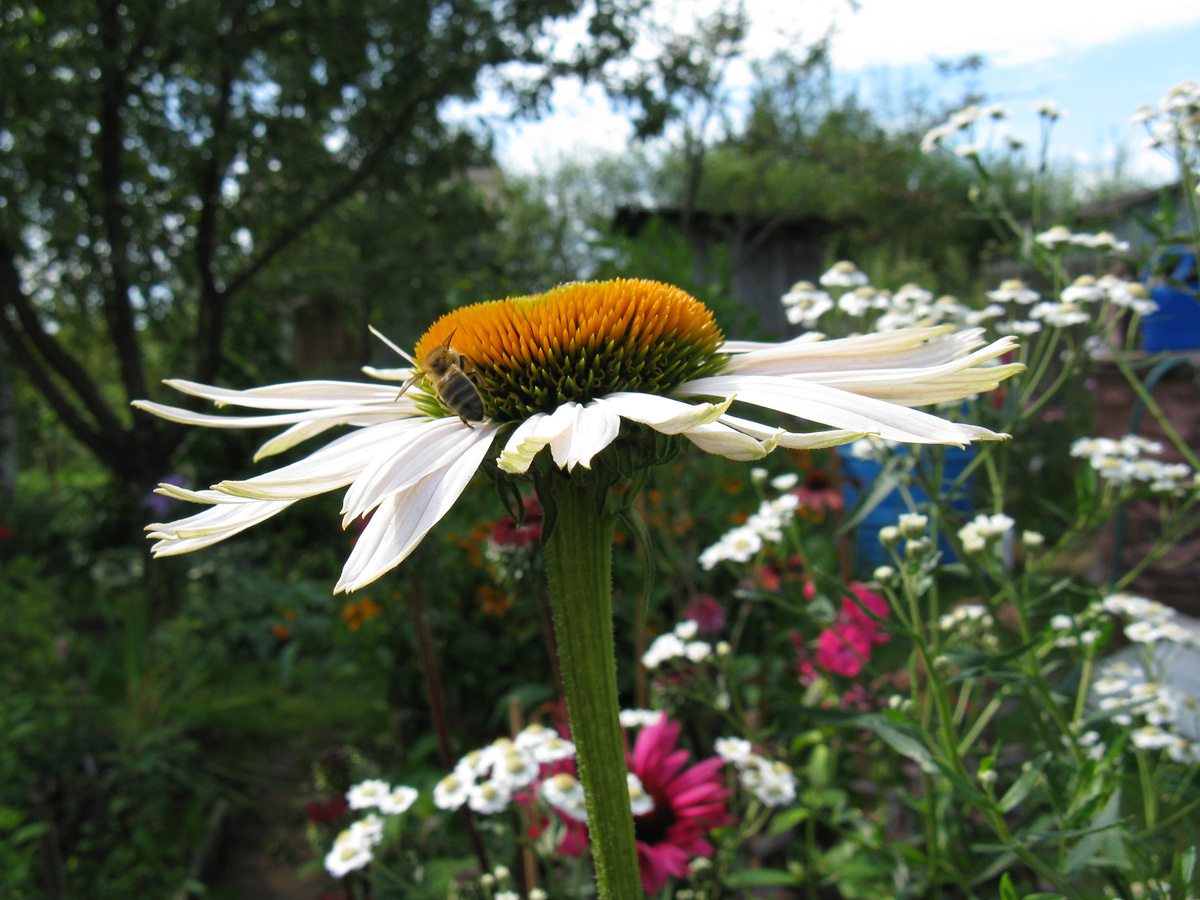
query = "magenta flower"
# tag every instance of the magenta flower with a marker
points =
(844, 649)
(707, 612)
(865, 608)
(688, 803)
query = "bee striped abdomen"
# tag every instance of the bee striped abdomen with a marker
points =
(460, 395)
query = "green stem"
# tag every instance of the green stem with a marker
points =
(579, 569)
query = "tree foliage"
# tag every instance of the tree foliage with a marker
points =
(157, 160)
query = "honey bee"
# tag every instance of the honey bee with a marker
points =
(446, 371)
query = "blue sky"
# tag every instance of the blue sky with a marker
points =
(1098, 86)
(1096, 58)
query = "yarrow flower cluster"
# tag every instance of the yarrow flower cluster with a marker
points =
(354, 848)
(1149, 621)
(673, 806)
(984, 531)
(677, 644)
(1155, 712)
(1159, 716)
(376, 794)
(843, 274)
(1174, 125)
(1082, 630)
(765, 526)
(805, 303)
(486, 780)
(971, 623)
(770, 781)
(1123, 461)
(1060, 237)
(963, 120)
(1014, 307)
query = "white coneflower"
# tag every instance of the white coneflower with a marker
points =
(577, 387)
(563, 370)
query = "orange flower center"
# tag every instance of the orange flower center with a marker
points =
(577, 342)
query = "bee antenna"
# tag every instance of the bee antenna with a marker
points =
(390, 344)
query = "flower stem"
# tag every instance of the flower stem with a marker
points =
(579, 569)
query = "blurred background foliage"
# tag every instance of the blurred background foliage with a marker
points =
(232, 193)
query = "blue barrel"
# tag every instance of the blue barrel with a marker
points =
(1175, 325)
(859, 474)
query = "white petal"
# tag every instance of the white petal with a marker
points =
(291, 395)
(214, 524)
(662, 413)
(740, 347)
(925, 385)
(904, 348)
(333, 466)
(400, 375)
(593, 427)
(407, 457)
(524, 444)
(793, 440)
(574, 434)
(841, 409)
(401, 520)
(344, 415)
(289, 438)
(722, 440)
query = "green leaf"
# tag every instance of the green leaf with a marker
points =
(1007, 891)
(1081, 854)
(900, 737)
(749, 878)
(1023, 785)
(788, 819)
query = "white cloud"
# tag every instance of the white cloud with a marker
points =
(896, 32)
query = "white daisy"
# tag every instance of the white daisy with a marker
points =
(398, 800)
(573, 370)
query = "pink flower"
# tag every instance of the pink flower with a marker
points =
(707, 612)
(509, 534)
(864, 608)
(818, 494)
(844, 649)
(688, 803)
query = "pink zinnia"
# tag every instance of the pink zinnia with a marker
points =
(688, 803)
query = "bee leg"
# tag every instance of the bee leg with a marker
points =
(465, 422)
(409, 384)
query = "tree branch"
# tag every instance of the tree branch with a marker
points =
(117, 309)
(335, 197)
(32, 344)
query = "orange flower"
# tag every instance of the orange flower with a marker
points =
(354, 614)
(492, 601)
